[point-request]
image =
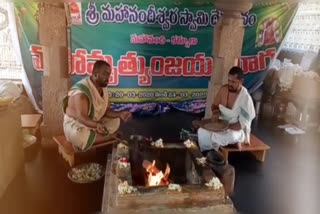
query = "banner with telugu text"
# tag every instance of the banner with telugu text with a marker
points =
(158, 54)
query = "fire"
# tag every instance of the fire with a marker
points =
(155, 176)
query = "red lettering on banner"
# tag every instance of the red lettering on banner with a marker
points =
(173, 66)
(199, 63)
(250, 64)
(127, 65)
(269, 53)
(37, 57)
(156, 66)
(133, 65)
(144, 78)
(189, 67)
(254, 63)
(79, 62)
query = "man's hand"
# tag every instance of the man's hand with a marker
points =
(235, 126)
(215, 113)
(215, 116)
(214, 108)
(101, 129)
(196, 124)
(125, 116)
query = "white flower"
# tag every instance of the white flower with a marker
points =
(202, 161)
(189, 144)
(125, 188)
(174, 187)
(158, 143)
(215, 183)
(123, 163)
(87, 173)
(122, 146)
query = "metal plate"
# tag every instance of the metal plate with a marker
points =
(219, 126)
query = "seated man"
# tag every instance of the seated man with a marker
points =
(88, 118)
(232, 103)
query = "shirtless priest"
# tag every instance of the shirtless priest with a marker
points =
(88, 118)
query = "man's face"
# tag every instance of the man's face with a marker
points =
(234, 83)
(103, 76)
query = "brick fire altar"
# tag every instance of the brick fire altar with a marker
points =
(193, 196)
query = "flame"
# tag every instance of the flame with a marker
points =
(155, 176)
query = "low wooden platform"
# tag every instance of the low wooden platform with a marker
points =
(256, 147)
(31, 122)
(67, 151)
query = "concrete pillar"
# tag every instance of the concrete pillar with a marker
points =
(56, 79)
(227, 45)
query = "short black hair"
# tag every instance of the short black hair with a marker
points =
(236, 71)
(99, 64)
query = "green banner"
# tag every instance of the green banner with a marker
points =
(159, 53)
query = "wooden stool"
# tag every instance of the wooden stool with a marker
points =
(256, 147)
(67, 151)
(31, 122)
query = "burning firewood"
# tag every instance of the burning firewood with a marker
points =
(156, 176)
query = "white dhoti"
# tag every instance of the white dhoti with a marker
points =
(242, 112)
(213, 140)
(83, 137)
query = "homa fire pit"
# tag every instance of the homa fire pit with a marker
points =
(141, 178)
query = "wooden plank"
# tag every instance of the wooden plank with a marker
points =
(221, 207)
(255, 145)
(191, 195)
(70, 158)
(64, 144)
(30, 120)
(259, 155)
(106, 196)
(113, 185)
(61, 140)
